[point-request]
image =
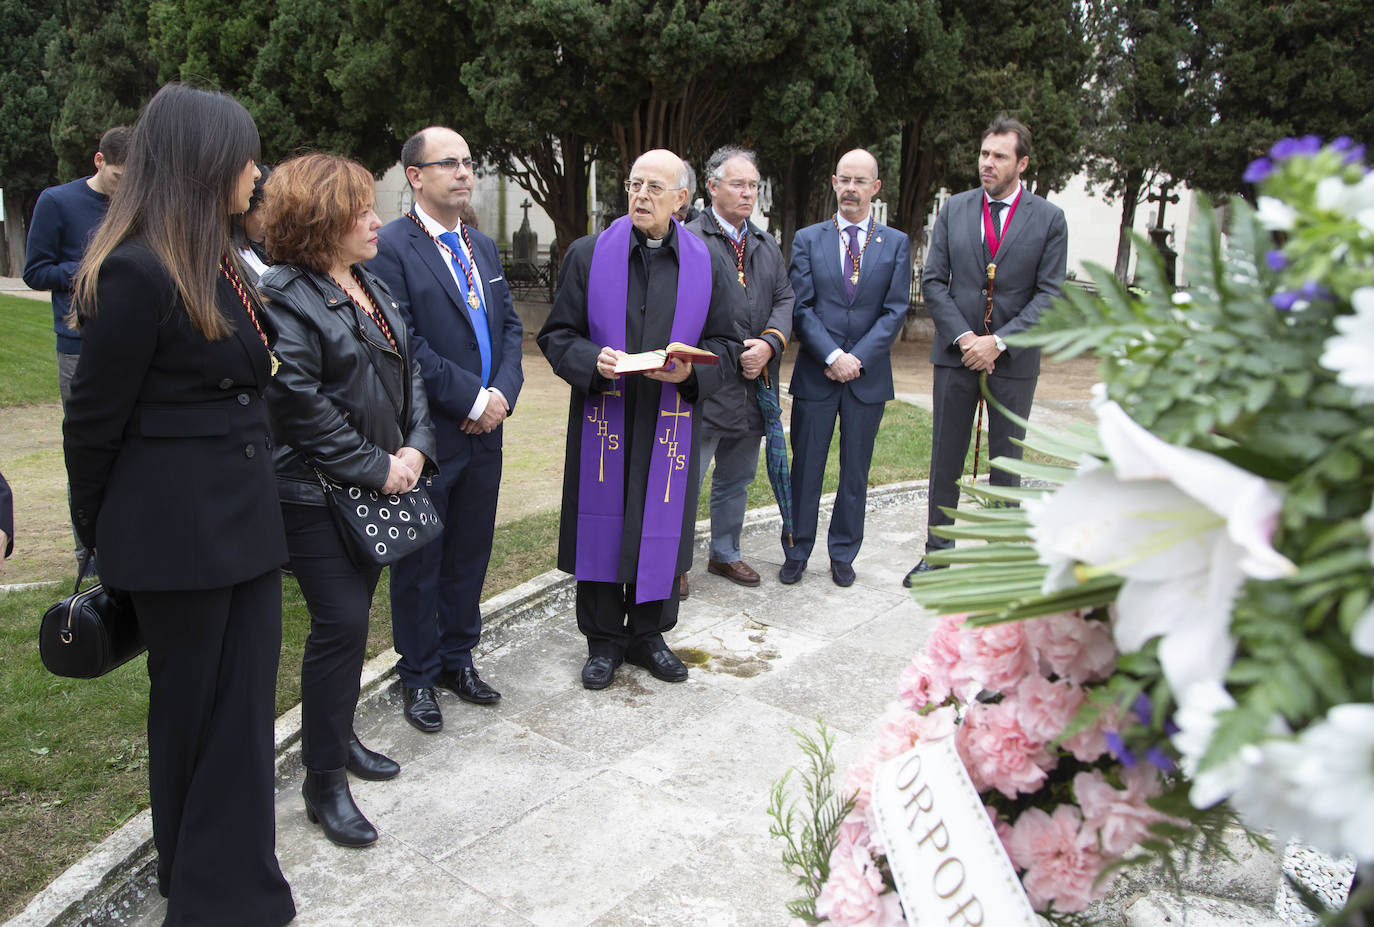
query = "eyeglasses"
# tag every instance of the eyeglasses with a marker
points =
(740, 186)
(448, 164)
(853, 181)
(653, 187)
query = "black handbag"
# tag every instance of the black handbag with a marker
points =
(380, 528)
(90, 632)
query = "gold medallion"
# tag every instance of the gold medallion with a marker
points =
(741, 278)
(275, 363)
(473, 301)
(854, 278)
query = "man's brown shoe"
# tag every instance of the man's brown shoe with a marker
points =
(737, 572)
(682, 588)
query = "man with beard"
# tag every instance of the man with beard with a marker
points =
(999, 225)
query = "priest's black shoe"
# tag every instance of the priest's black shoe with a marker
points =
(842, 573)
(791, 571)
(369, 764)
(422, 709)
(468, 686)
(662, 664)
(329, 804)
(598, 672)
(925, 566)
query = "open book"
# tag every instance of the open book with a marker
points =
(660, 359)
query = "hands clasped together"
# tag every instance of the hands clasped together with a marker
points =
(406, 467)
(980, 352)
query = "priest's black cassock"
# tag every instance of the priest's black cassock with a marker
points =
(651, 295)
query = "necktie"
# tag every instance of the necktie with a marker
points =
(997, 206)
(851, 269)
(476, 314)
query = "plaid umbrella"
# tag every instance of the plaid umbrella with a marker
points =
(778, 475)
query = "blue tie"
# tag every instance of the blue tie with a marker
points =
(476, 315)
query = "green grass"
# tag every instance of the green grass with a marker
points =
(27, 352)
(73, 753)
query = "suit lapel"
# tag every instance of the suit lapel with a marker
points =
(1025, 210)
(829, 256)
(429, 256)
(972, 222)
(875, 255)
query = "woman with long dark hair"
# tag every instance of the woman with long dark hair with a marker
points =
(169, 457)
(245, 229)
(348, 404)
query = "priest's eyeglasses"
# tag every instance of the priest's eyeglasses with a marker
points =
(448, 164)
(653, 187)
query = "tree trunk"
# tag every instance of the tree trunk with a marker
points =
(1130, 197)
(15, 236)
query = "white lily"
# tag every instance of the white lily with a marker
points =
(1351, 353)
(1183, 528)
(1275, 215)
(1354, 200)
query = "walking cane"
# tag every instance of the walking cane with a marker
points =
(982, 402)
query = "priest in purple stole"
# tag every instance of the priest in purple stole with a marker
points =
(629, 479)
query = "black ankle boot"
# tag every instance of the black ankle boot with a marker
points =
(369, 764)
(329, 803)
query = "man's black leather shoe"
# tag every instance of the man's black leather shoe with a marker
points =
(598, 672)
(369, 764)
(422, 709)
(468, 686)
(791, 571)
(842, 573)
(662, 664)
(923, 567)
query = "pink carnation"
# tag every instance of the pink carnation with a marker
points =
(1090, 743)
(942, 648)
(1121, 819)
(1059, 857)
(852, 895)
(1072, 647)
(997, 753)
(1044, 709)
(899, 730)
(995, 657)
(921, 684)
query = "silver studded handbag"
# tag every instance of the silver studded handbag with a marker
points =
(380, 528)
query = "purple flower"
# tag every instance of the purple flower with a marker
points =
(1355, 155)
(1143, 708)
(1292, 147)
(1284, 301)
(1119, 749)
(1342, 143)
(1160, 760)
(1259, 169)
(1276, 260)
(1312, 290)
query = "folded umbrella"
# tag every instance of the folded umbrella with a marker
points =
(776, 455)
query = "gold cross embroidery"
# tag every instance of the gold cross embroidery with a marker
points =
(598, 417)
(676, 461)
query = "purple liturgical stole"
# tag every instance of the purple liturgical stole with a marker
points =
(601, 482)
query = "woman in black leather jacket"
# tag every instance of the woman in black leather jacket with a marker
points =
(349, 401)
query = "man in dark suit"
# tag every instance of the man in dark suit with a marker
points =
(852, 279)
(466, 337)
(1000, 223)
(6, 519)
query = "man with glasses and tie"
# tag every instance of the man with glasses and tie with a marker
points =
(1002, 238)
(852, 279)
(466, 337)
(731, 420)
(629, 476)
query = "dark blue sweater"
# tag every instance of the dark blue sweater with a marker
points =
(63, 221)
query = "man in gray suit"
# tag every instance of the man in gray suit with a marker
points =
(1000, 223)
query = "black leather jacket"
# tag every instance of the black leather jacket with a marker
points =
(343, 399)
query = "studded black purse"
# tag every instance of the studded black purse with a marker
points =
(380, 528)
